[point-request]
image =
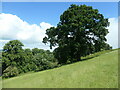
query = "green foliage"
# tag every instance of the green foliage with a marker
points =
(44, 61)
(27, 63)
(36, 51)
(80, 32)
(16, 60)
(10, 71)
(12, 54)
(62, 54)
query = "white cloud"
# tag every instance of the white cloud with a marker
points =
(112, 37)
(12, 27)
(2, 43)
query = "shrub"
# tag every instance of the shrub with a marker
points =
(44, 61)
(10, 72)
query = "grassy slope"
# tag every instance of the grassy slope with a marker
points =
(98, 72)
(0, 71)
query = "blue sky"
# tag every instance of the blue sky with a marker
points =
(36, 12)
(27, 21)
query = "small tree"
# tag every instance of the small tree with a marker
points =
(12, 54)
(81, 31)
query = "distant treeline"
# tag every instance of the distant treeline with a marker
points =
(16, 60)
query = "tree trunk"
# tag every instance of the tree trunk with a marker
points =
(78, 58)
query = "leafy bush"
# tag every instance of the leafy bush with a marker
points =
(10, 72)
(44, 61)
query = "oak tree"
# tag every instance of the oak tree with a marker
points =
(80, 32)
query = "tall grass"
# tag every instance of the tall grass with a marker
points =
(97, 72)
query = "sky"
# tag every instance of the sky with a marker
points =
(28, 21)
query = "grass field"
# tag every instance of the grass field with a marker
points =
(0, 66)
(97, 72)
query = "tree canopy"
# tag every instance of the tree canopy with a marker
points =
(11, 53)
(16, 60)
(80, 32)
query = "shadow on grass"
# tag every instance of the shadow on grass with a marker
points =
(96, 54)
(88, 58)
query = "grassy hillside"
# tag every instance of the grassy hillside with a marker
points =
(0, 68)
(98, 72)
